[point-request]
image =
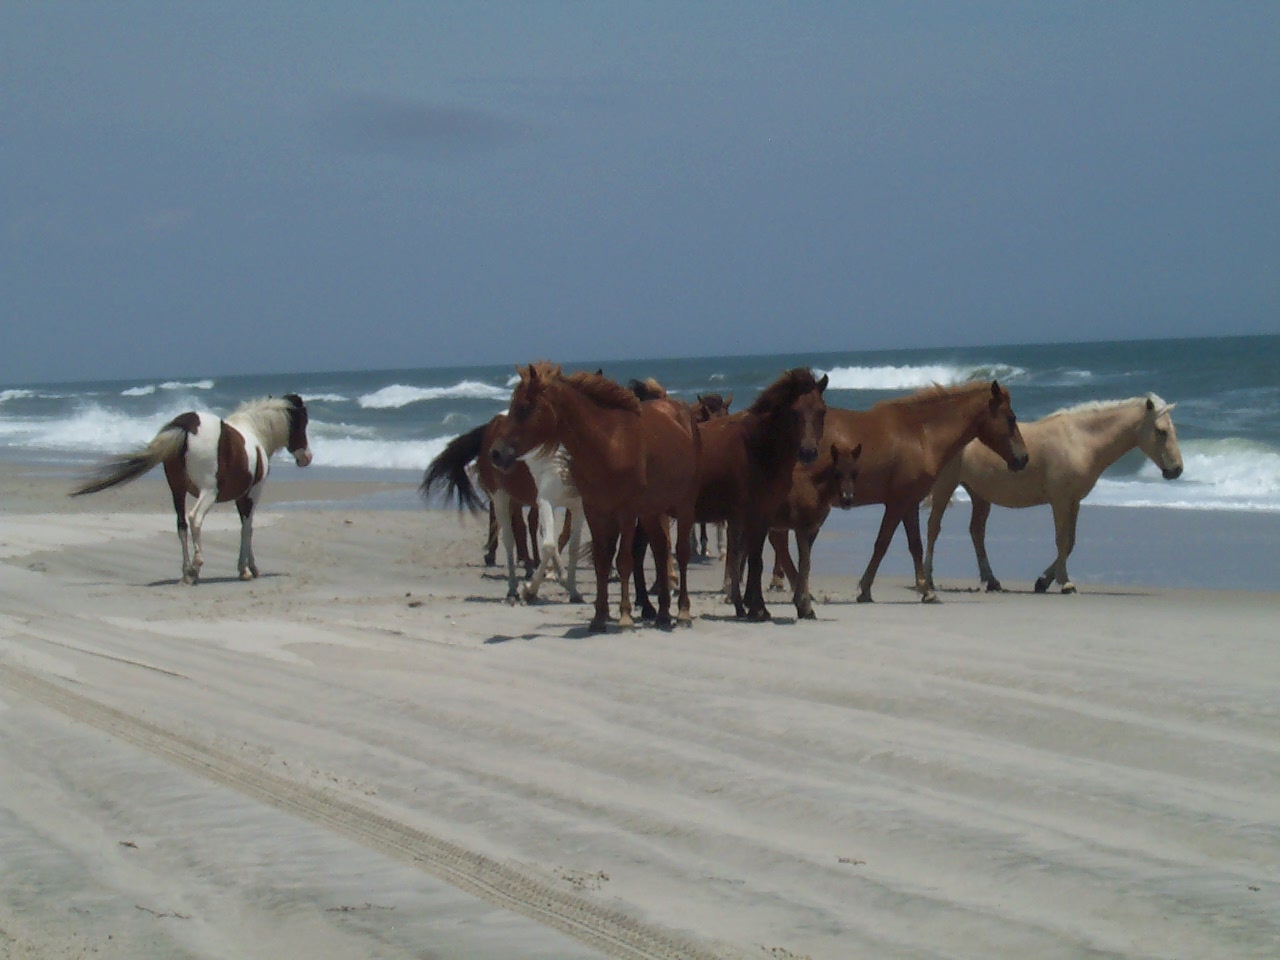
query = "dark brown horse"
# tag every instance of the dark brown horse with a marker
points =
(814, 491)
(508, 493)
(631, 462)
(745, 472)
(905, 444)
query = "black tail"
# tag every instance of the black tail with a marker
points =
(448, 471)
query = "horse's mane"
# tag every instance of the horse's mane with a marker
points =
(1090, 406)
(784, 391)
(603, 391)
(263, 414)
(936, 392)
(649, 389)
(263, 406)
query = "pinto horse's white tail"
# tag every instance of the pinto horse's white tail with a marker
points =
(168, 444)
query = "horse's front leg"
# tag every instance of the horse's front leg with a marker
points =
(548, 552)
(574, 520)
(978, 534)
(733, 565)
(684, 550)
(626, 564)
(784, 571)
(248, 569)
(502, 507)
(888, 526)
(755, 538)
(804, 553)
(658, 531)
(911, 520)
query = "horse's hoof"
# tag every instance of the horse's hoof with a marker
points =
(625, 622)
(1042, 585)
(805, 612)
(598, 626)
(776, 584)
(512, 599)
(864, 597)
(929, 597)
(1068, 588)
(759, 616)
(994, 586)
(663, 622)
(246, 575)
(684, 619)
(648, 613)
(576, 598)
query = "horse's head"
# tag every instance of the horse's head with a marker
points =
(1158, 439)
(810, 412)
(711, 406)
(844, 474)
(998, 429)
(297, 443)
(530, 421)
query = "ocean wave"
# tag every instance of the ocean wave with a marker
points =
(187, 385)
(325, 398)
(89, 430)
(376, 454)
(398, 395)
(912, 377)
(16, 394)
(146, 391)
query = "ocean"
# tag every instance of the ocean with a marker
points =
(391, 423)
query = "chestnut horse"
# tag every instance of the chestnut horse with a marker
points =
(745, 473)
(830, 482)
(905, 444)
(631, 462)
(508, 493)
(215, 460)
(1069, 450)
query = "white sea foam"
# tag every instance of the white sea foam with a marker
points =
(1216, 475)
(398, 395)
(187, 385)
(16, 395)
(916, 377)
(325, 398)
(146, 391)
(376, 454)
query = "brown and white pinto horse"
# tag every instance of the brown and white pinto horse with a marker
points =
(630, 462)
(745, 473)
(215, 460)
(905, 444)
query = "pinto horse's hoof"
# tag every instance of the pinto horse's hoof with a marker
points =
(247, 574)
(1068, 588)
(929, 597)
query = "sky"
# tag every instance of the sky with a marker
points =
(258, 187)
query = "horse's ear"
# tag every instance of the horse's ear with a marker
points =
(822, 384)
(1151, 404)
(995, 390)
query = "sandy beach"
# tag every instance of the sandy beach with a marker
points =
(367, 753)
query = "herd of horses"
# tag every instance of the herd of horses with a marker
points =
(631, 461)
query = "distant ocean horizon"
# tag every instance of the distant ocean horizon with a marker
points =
(383, 423)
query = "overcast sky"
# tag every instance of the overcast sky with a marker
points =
(228, 187)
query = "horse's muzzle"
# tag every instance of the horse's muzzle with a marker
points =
(302, 457)
(1019, 463)
(807, 455)
(1172, 473)
(502, 456)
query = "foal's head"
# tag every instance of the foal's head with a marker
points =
(530, 420)
(998, 428)
(844, 474)
(711, 406)
(297, 443)
(1158, 439)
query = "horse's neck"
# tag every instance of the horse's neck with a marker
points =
(583, 431)
(269, 427)
(768, 435)
(949, 426)
(1112, 432)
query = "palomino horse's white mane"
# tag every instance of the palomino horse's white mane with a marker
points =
(1090, 406)
(269, 417)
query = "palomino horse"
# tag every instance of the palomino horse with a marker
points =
(745, 472)
(827, 483)
(508, 492)
(631, 461)
(1069, 450)
(215, 461)
(905, 443)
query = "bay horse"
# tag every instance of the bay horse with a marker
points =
(508, 492)
(744, 475)
(630, 461)
(906, 442)
(1069, 450)
(829, 482)
(214, 460)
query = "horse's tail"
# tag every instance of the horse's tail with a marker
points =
(448, 471)
(169, 444)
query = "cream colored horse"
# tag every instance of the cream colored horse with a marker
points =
(1068, 451)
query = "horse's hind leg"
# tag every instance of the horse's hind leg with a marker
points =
(888, 526)
(504, 509)
(177, 478)
(574, 519)
(248, 569)
(1064, 523)
(658, 532)
(549, 556)
(195, 518)
(784, 571)
(638, 547)
(978, 534)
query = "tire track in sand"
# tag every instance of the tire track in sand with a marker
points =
(592, 923)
